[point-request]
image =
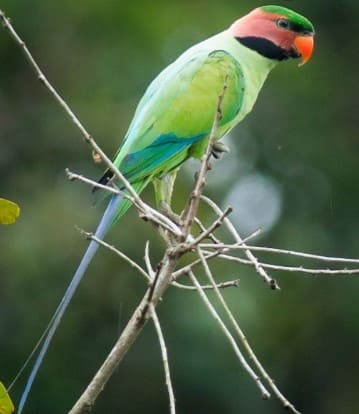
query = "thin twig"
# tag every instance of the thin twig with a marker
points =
(293, 269)
(211, 228)
(228, 335)
(284, 252)
(151, 272)
(242, 336)
(299, 269)
(146, 210)
(166, 367)
(111, 189)
(192, 206)
(91, 236)
(223, 285)
(148, 264)
(187, 268)
(210, 255)
(149, 275)
(203, 228)
(260, 270)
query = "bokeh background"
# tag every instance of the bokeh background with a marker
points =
(292, 170)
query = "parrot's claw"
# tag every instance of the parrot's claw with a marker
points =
(218, 149)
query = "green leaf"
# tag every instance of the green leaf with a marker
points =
(9, 212)
(6, 405)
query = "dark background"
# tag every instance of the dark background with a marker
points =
(293, 169)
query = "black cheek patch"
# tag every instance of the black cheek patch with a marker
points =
(266, 48)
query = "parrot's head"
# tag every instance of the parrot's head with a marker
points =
(276, 33)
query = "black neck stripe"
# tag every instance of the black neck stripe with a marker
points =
(267, 48)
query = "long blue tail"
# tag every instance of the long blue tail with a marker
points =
(102, 228)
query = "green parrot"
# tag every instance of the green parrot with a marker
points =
(174, 118)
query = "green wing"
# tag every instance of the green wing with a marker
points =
(175, 116)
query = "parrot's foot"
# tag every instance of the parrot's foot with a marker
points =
(166, 210)
(218, 149)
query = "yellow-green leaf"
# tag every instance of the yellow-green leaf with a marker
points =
(9, 212)
(6, 405)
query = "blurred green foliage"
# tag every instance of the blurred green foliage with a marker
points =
(100, 55)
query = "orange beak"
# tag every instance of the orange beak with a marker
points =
(304, 46)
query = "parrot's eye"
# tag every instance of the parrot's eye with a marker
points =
(283, 23)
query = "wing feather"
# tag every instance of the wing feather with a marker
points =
(176, 114)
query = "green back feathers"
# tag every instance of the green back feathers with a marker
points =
(298, 22)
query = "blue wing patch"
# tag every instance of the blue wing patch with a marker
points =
(167, 149)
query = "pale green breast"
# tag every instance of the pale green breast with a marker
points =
(255, 69)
